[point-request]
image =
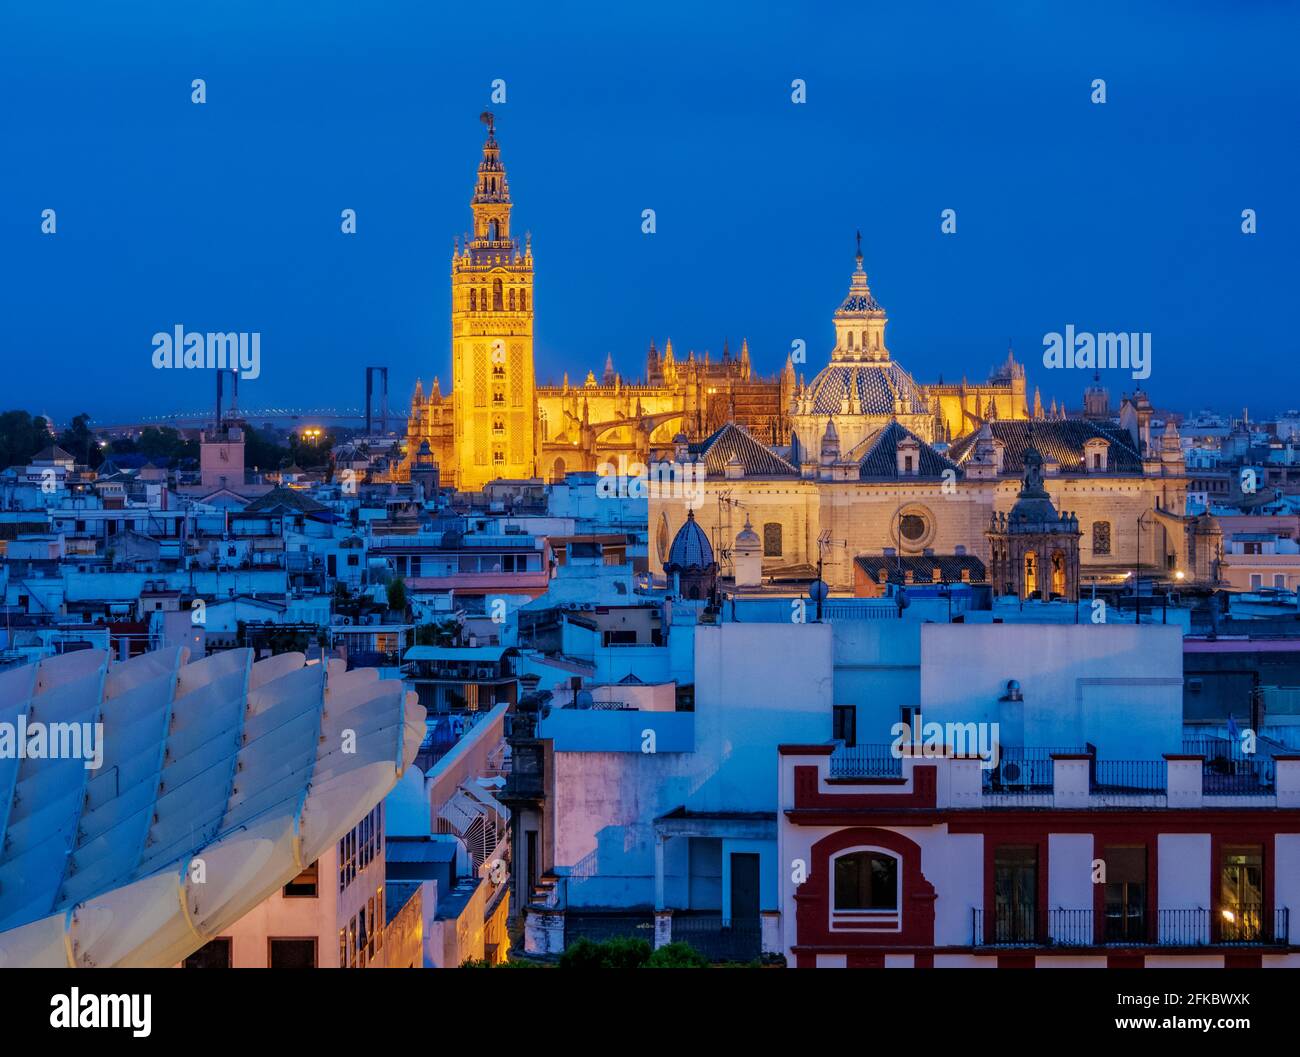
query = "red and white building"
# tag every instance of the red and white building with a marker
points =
(1064, 860)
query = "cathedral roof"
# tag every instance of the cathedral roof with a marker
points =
(877, 456)
(735, 442)
(921, 566)
(691, 548)
(882, 389)
(1061, 442)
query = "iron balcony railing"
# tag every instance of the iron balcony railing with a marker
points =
(865, 761)
(1129, 776)
(1242, 926)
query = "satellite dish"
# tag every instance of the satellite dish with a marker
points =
(819, 591)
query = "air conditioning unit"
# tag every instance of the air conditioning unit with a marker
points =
(1013, 772)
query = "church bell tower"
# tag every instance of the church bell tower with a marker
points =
(492, 337)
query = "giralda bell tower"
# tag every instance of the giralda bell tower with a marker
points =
(492, 337)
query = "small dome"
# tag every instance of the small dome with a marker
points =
(691, 548)
(747, 538)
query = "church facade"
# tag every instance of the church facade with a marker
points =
(498, 422)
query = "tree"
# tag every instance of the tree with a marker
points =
(79, 442)
(397, 595)
(21, 437)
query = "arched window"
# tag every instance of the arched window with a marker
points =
(473, 300)
(866, 880)
(1031, 574)
(866, 343)
(850, 339)
(492, 230)
(523, 300)
(772, 540)
(1058, 573)
(498, 295)
(482, 299)
(512, 299)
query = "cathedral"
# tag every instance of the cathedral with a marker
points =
(498, 422)
(860, 463)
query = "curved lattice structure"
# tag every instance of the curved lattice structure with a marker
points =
(218, 782)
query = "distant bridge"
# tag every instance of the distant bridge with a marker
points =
(277, 416)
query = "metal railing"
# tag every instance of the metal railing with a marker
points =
(1129, 776)
(1250, 925)
(865, 761)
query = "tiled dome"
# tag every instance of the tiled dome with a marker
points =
(882, 388)
(691, 548)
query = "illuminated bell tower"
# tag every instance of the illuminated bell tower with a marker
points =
(492, 337)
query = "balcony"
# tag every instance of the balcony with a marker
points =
(1073, 776)
(1245, 926)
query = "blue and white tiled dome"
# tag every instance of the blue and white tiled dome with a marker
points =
(882, 389)
(691, 548)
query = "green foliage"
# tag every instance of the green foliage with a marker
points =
(621, 952)
(483, 963)
(443, 633)
(397, 595)
(78, 441)
(263, 450)
(677, 956)
(159, 445)
(21, 437)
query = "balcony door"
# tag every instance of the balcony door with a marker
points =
(1015, 893)
(1126, 894)
(1241, 893)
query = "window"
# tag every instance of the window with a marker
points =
(1279, 581)
(291, 953)
(1126, 894)
(473, 300)
(1241, 892)
(304, 885)
(772, 540)
(374, 927)
(1015, 894)
(497, 295)
(1256, 581)
(866, 880)
(1101, 537)
(512, 299)
(1096, 460)
(523, 300)
(844, 724)
(912, 526)
(215, 954)
(907, 464)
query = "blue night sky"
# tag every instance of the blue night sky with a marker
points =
(225, 216)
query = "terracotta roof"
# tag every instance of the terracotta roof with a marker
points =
(1060, 441)
(280, 499)
(921, 567)
(877, 456)
(733, 441)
